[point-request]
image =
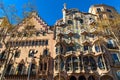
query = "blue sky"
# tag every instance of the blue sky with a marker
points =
(51, 10)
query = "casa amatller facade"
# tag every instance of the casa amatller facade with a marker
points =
(75, 48)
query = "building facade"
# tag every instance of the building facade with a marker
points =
(86, 50)
(32, 46)
(76, 48)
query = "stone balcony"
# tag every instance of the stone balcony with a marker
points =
(84, 31)
(85, 41)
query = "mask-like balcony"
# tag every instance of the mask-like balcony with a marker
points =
(91, 22)
(84, 31)
(85, 42)
(94, 31)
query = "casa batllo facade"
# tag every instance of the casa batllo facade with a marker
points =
(76, 48)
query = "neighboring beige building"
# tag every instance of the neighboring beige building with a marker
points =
(108, 14)
(76, 48)
(103, 11)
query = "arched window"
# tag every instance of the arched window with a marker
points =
(81, 21)
(92, 63)
(100, 63)
(75, 63)
(80, 61)
(17, 54)
(73, 78)
(69, 64)
(20, 69)
(81, 78)
(72, 63)
(97, 48)
(86, 62)
(9, 69)
(110, 44)
(85, 47)
(2, 55)
(45, 52)
(70, 22)
(91, 78)
(57, 60)
(59, 49)
(33, 69)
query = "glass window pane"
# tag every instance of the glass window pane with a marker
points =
(115, 57)
(118, 75)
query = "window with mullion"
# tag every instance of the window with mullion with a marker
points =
(100, 63)
(75, 63)
(69, 64)
(115, 57)
(97, 48)
(33, 69)
(92, 63)
(110, 44)
(8, 70)
(85, 48)
(20, 69)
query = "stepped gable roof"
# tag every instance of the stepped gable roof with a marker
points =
(35, 16)
(4, 22)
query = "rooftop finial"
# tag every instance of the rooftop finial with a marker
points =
(65, 6)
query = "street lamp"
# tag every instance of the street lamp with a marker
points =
(31, 54)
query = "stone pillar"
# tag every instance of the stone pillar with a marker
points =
(104, 62)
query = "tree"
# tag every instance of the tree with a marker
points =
(112, 25)
(8, 31)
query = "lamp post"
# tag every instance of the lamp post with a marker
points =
(31, 54)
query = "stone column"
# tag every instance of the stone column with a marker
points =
(104, 62)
